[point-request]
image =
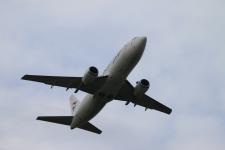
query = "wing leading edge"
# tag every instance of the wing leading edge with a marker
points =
(126, 94)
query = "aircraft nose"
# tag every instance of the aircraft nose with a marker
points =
(142, 40)
(140, 43)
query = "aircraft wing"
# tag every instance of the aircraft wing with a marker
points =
(126, 94)
(68, 82)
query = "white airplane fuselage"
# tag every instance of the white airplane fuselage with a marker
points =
(117, 72)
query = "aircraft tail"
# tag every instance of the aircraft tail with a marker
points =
(66, 120)
(74, 102)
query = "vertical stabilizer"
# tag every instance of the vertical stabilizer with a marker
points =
(74, 102)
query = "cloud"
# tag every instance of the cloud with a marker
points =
(198, 132)
(183, 60)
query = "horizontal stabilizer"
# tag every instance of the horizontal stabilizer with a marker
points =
(66, 120)
(90, 127)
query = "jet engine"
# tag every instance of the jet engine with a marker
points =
(141, 87)
(90, 75)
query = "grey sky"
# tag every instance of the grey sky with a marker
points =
(184, 61)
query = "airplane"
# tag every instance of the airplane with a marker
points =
(111, 85)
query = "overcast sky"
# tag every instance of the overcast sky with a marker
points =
(184, 60)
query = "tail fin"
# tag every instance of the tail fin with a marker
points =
(74, 102)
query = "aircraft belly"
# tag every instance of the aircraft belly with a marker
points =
(89, 107)
(124, 65)
(92, 104)
(117, 74)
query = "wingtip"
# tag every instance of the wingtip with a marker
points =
(24, 77)
(169, 112)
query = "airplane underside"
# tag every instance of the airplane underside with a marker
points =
(112, 85)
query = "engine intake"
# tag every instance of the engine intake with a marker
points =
(90, 75)
(145, 83)
(141, 87)
(93, 70)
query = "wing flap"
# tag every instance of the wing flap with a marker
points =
(149, 102)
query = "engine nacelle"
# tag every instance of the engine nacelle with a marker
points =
(90, 75)
(141, 87)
